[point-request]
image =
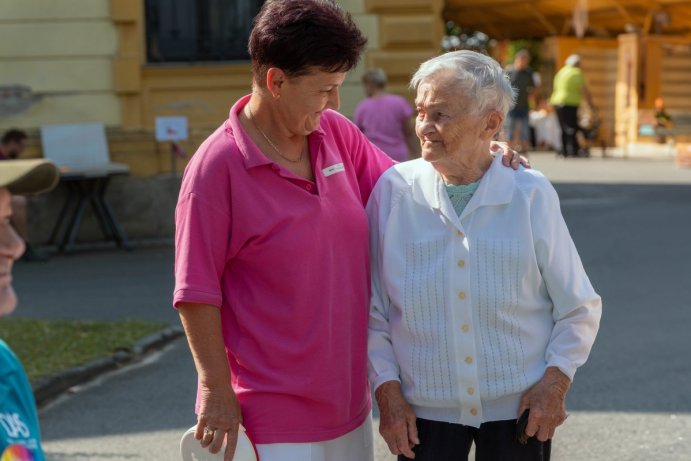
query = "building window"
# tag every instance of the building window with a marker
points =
(198, 30)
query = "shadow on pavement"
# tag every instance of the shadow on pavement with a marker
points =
(635, 242)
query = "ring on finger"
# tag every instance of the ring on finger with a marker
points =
(208, 432)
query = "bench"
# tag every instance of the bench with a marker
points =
(81, 153)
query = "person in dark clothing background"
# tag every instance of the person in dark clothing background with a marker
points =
(526, 82)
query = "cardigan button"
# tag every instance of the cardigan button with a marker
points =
(473, 411)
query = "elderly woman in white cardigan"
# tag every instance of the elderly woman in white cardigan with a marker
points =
(481, 308)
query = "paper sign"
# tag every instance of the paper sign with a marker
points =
(171, 128)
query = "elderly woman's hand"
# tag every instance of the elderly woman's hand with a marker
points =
(219, 417)
(510, 157)
(547, 403)
(397, 419)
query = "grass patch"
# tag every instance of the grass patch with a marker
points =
(47, 346)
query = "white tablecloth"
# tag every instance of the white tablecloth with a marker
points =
(547, 131)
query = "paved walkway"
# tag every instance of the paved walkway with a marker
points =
(631, 220)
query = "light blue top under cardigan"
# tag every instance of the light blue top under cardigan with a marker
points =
(461, 194)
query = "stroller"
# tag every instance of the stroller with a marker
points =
(588, 133)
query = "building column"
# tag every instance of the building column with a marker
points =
(401, 35)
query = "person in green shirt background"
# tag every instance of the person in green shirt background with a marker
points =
(568, 90)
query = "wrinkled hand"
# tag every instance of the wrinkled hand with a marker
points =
(547, 403)
(510, 157)
(397, 419)
(219, 410)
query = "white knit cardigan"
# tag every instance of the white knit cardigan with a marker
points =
(467, 312)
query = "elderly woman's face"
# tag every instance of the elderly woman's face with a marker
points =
(446, 122)
(11, 248)
(303, 99)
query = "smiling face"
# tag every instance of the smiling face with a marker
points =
(304, 98)
(447, 122)
(11, 248)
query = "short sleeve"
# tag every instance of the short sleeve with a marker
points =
(202, 231)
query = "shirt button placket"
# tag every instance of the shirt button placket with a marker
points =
(465, 328)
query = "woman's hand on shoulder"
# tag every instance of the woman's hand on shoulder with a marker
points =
(510, 157)
(219, 419)
(397, 419)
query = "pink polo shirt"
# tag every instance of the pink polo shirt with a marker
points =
(286, 261)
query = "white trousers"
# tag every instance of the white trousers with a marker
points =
(354, 446)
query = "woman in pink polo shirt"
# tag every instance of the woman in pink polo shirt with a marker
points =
(272, 269)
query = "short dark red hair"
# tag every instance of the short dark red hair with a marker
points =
(295, 35)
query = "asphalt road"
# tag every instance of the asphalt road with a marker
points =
(630, 219)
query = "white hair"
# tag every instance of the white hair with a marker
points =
(574, 60)
(478, 76)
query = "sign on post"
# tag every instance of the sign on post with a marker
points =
(172, 129)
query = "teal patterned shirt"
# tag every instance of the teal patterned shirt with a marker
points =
(460, 195)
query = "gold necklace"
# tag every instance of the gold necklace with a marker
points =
(302, 150)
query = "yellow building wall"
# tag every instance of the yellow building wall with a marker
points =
(400, 36)
(410, 32)
(351, 91)
(62, 50)
(203, 93)
(87, 58)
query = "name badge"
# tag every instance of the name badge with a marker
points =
(333, 169)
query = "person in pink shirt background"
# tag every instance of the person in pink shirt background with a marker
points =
(386, 119)
(271, 249)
